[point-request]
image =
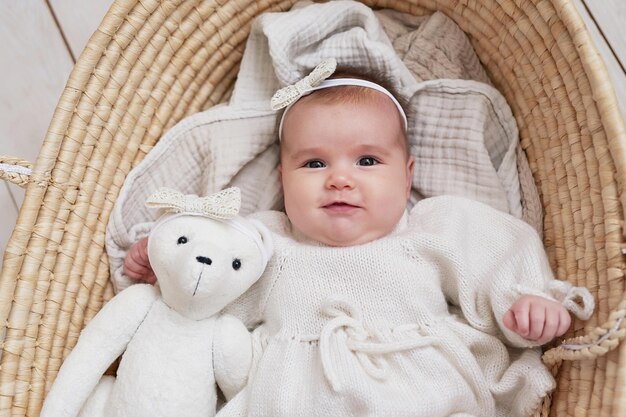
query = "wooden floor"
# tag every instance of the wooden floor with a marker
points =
(43, 38)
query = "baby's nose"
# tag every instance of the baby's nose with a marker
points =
(340, 179)
(204, 260)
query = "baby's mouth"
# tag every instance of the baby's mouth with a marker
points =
(340, 207)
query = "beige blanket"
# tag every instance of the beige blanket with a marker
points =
(461, 129)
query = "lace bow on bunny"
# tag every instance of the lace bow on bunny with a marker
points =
(223, 205)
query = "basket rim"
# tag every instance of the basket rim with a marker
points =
(611, 120)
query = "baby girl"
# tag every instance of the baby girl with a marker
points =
(366, 309)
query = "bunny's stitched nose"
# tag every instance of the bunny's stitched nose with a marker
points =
(204, 260)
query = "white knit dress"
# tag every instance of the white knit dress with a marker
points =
(370, 330)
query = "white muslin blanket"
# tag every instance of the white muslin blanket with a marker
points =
(461, 130)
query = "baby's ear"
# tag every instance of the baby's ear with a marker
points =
(410, 167)
(266, 237)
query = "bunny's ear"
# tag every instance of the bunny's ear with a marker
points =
(267, 243)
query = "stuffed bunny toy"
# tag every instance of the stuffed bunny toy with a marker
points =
(176, 344)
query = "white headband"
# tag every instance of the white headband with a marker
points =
(317, 80)
(337, 82)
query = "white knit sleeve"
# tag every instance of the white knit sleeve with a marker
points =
(487, 260)
(247, 307)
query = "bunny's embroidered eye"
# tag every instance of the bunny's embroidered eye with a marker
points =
(182, 240)
(236, 264)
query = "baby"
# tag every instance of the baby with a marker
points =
(367, 310)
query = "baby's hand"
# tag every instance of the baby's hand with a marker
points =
(136, 264)
(538, 319)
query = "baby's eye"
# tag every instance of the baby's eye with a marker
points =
(368, 161)
(236, 264)
(315, 163)
(182, 240)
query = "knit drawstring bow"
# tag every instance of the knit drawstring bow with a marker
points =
(369, 348)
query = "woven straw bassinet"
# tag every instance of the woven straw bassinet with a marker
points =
(151, 63)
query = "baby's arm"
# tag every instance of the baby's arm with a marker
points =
(493, 266)
(137, 265)
(538, 319)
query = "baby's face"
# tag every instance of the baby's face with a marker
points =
(345, 171)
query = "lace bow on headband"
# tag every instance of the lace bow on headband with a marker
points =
(223, 205)
(290, 94)
(317, 80)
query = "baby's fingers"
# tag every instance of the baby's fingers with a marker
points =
(521, 313)
(137, 268)
(139, 273)
(150, 278)
(509, 321)
(564, 322)
(133, 269)
(552, 324)
(537, 321)
(557, 322)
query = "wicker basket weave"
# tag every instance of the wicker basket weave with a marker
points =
(151, 63)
